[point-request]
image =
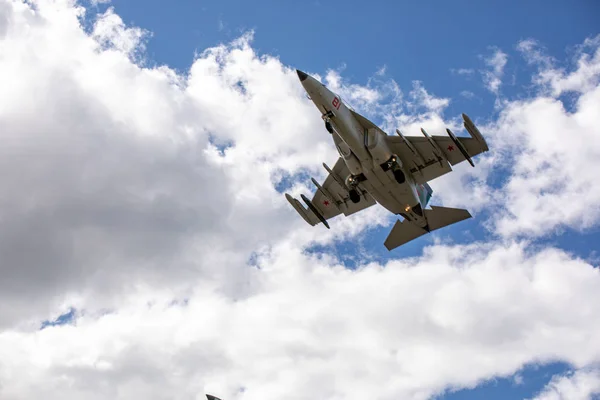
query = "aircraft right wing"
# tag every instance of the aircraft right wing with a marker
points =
(429, 157)
(331, 198)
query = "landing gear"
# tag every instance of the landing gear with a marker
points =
(394, 165)
(328, 127)
(351, 183)
(326, 117)
(354, 196)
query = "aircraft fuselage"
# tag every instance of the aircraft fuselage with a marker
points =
(373, 167)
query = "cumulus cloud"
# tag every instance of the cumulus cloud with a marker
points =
(556, 80)
(110, 31)
(554, 154)
(547, 149)
(146, 201)
(580, 385)
(313, 327)
(118, 174)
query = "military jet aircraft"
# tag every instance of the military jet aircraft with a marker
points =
(375, 167)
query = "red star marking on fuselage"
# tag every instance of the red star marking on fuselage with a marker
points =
(450, 148)
(326, 203)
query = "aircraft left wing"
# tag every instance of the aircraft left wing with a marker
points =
(331, 198)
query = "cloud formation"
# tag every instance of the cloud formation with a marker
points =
(146, 200)
(493, 77)
(579, 385)
(554, 152)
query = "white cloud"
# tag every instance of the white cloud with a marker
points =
(308, 326)
(355, 95)
(467, 94)
(424, 99)
(555, 154)
(557, 80)
(381, 71)
(463, 71)
(116, 180)
(548, 152)
(493, 77)
(580, 385)
(535, 54)
(117, 201)
(110, 31)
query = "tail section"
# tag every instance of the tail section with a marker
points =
(402, 233)
(425, 193)
(438, 217)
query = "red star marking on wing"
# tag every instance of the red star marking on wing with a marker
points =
(450, 148)
(326, 203)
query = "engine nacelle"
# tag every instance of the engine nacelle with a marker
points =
(378, 147)
(351, 181)
(350, 159)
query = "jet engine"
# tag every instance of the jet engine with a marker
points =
(351, 183)
(377, 146)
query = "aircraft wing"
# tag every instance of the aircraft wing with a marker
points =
(331, 198)
(429, 157)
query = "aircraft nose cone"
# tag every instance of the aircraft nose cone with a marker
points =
(301, 75)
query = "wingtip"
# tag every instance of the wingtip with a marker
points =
(474, 132)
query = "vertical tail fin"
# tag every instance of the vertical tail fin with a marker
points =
(425, 195)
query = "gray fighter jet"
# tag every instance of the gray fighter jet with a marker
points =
(375, 167)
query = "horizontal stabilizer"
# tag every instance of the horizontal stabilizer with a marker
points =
(211, 397)
(403, 232)
(438, 217)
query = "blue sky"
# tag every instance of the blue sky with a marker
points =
(415, 40)
(151, 225)
(426, 41)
